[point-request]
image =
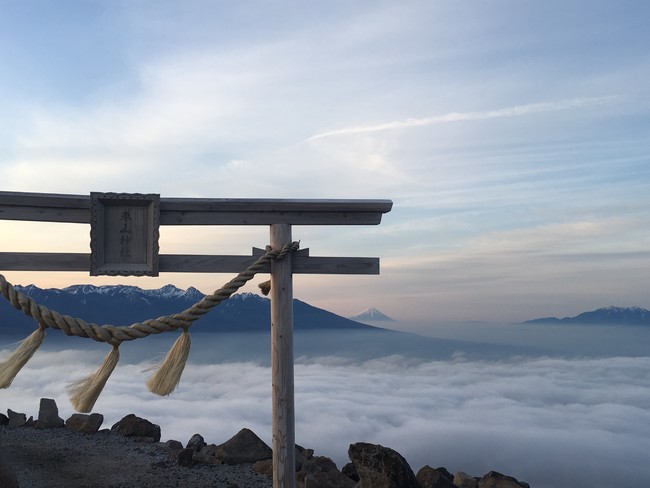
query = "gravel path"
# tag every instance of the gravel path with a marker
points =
(58, 458)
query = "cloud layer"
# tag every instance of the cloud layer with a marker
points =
(549, 421)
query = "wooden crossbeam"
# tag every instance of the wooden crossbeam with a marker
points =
(45, 207)
(188, 263)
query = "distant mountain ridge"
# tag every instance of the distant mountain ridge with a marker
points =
(124, 305)
(607, 315)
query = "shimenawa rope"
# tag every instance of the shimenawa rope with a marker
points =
(84, 393)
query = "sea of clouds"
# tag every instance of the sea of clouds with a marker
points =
(550, 421)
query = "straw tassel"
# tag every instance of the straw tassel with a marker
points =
(85, 392)
(168, 372)
(23, 353)
(265, 287)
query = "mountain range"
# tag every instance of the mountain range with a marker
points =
(124, 305)
(603, 316)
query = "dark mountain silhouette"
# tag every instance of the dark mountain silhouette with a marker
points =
(123, 305)
(607, 315)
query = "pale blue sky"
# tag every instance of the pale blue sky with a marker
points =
(513, 137)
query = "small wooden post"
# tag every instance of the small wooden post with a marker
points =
(284, 454)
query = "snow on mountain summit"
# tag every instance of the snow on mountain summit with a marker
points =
(371, 315)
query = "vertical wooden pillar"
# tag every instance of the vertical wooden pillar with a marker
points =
(284, 455)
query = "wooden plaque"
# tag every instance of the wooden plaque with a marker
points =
(124, 231)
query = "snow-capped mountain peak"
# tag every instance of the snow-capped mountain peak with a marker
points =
(371, 315)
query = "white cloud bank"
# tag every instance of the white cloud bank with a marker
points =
(552, 422)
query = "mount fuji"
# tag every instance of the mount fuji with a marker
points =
(371, 315)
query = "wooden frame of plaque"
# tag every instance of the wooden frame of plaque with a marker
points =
(124, 232)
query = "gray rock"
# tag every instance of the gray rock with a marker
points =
(207, 455)
(319, 464)
(306, 453)
(173, 445)
(4, 420)
(85, 423)
(48, 415)
(264, 467)
(132, 426)
(443, 471)
(185, 457)
(7, 475)
(381, 467)
(243, 447)
(463, 480)
(434, 478)
(497, 480)
(350, 471)
(310, 481)
(196, 443)
(30, 422)
(332, 479)
(324, 471)
(16, 419)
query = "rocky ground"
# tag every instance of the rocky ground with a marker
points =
(52, 453)
(61, 458)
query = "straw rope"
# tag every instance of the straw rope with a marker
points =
(115, 335)
(85, 392)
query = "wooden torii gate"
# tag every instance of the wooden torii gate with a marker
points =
(124, 241)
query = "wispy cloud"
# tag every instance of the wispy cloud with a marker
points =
(514, 111)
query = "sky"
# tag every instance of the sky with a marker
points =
(512, 137)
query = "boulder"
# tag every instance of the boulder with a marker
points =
(185, 457)
(350, 471)
(463, 480)
(196, 443)
(322, 470)
(48, 415)
(497, 480)
(381, 467)
(306, 453)
(435, 478)
(139, 428)
(4, 420)
(332, 479)
(30, 422)
(85, 423)
(243, 447)
(299, 458)
(443, 471)
(7, 475)
(16, 419)
(207, 455)
(310, 481)
(318, 464)
(173, 445)
(264, 467)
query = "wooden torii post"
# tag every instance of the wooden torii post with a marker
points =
(124, 241)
